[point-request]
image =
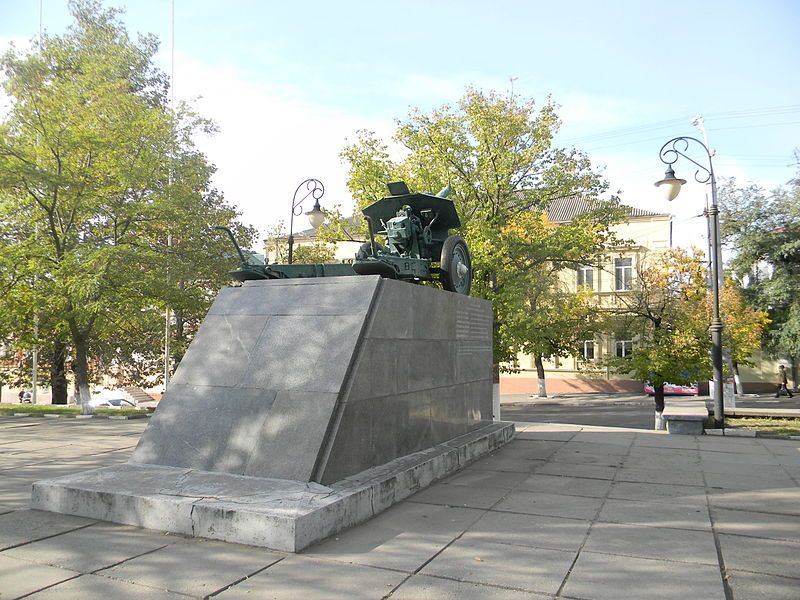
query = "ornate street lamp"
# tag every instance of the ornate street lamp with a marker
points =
(670, 153)
(315, 189)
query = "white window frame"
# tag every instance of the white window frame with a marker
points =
(623, 348)
(584, 271)
(623, 275)
(588, 345)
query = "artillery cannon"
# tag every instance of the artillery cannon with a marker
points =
(252, 270)
(417, 229)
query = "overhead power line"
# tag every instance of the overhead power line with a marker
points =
(720, 116)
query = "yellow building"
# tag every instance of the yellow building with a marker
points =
(647, 232)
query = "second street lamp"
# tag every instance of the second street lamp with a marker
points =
(670, 153)
(315, 189)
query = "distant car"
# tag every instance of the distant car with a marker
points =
(106, 402)
(27, 398)
(671, 389)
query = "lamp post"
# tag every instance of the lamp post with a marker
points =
(315, 189)
(669, 154)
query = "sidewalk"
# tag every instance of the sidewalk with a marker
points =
(563, 511)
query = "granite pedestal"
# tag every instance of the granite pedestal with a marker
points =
(301, 407)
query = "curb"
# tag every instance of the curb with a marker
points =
(748, 433)
(76, 416)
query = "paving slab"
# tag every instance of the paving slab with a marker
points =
(23, 526)
(192, 567)
(424, 587)
(562, 484)
(89, 587)
(576, 470)
(757, 524)
(789, 448)
(553, 505)
(579, 457)
(531, 449)
(460, 495)
(665, 475)
(535, 531)
(20, 577)
(15, 492)
(404, 537)
(655, 514)
(738, 481)
(498, 462)
(553, 436)
(664, 440)
(785, 501)
(531, 569)
(757, 586)
(492, 479)
(677, 545)
(657, 492)
(303, 578)
(755, 456)
(93, 548)
(772, 557)
(583, 446)
(605, 576)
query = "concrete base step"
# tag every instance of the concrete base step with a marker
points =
(274, 513)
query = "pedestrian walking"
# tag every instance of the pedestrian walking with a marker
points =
(782, 381)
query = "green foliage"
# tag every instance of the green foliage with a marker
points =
(763, 229)
(743, 326)
(105, 203)
(496, 154)
(316, 253)
(667, 308)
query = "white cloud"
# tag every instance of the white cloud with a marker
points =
(270, 140)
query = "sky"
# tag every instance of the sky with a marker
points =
(289, 83)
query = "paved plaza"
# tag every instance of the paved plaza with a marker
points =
(562, 511)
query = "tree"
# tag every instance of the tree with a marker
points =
(667, 310)
(496, 154)
(542, 316)
(743, 327)
(763, 230)
(104, 199)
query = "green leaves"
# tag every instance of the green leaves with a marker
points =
(763, 230)
(105, 203)
(667, 310)
(496, 153)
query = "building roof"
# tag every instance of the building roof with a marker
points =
(563, 210)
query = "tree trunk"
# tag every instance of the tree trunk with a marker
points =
(794, 371)
(82, 373)
(737, 379)
(58, 374)
(540, 374)
(658, 397)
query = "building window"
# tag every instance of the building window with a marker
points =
(588, 350)
(586, 276)
(623, 273)
(624, 348)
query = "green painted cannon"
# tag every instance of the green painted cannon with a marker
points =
(251, 268)
(416, 227)
(418, 245)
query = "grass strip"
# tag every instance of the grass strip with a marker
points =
(777, 427)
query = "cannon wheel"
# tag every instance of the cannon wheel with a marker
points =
(455, 266)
